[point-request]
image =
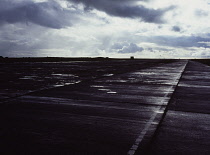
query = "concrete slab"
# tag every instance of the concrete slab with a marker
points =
(108, 112)
(186, 127)
(182, 133)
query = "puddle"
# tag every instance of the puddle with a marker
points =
(71, 83)
(64, 75)
(58, 85)
(66, 84)
(159, 111)
(120, 81)
(144, 73)
(96, 86)
(104, 89)
(108, 91)
(108, 75)
(28, 77)
(111, 92)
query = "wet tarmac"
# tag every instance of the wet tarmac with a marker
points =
(118, 107)
(19, 78)
(186, 126)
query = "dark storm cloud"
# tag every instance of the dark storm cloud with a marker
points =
(176, 28)
(47, 14)
(126, 8)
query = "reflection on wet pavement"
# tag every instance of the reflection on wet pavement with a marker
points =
(18, 78)
(101, 109)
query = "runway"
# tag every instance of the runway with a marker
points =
(118, 107)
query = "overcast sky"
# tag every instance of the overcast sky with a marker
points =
(109, 28)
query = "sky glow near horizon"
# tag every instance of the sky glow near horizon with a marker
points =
(105, 28)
